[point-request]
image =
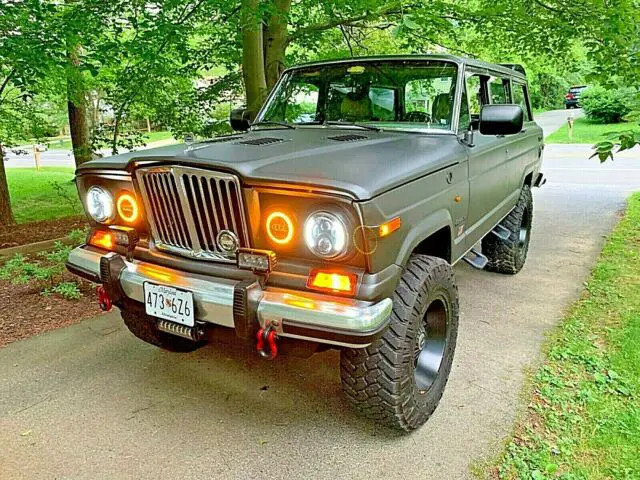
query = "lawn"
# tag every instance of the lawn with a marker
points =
(64, 143)
(47, 194)
(583, 416)
(585, 131)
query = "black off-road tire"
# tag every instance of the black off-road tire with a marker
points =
(145, 329)
(508, 256)
(380, 380)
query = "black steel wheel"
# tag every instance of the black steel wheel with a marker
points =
(399, 379)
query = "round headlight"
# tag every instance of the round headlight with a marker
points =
(100, 204)
(325, 234)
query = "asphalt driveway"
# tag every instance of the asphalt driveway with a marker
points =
(90, 401)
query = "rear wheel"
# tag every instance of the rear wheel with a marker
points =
(399, 379)
(508, 256)
(144, 327)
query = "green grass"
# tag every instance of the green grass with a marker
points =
(585, 131)
(583, 417)
(64, 143)
(47, 194)
(157, 136)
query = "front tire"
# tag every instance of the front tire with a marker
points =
(508, 256)
(399, 379)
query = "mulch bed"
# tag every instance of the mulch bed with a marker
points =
(24, 233)
(25, 312)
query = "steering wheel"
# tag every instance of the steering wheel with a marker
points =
(416, 116)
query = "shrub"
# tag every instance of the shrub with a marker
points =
(606, 106)
(67, 290)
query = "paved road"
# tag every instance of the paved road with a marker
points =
(550, 121)
(59, 158)
(90, 401)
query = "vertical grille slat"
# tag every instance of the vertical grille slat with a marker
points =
(221, 203)
(172, 214)
(188, 207)
(206, 202)
(182, 220)
(165, 216)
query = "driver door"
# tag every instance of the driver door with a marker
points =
(489, 180)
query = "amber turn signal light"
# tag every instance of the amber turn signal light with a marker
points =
(279, 227)
(389, 227)
(128, 207)
(332, 282)
(102, 239)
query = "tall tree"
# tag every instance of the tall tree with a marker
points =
(27, 53)
(77, 106)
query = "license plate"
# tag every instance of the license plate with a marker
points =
(169, 303)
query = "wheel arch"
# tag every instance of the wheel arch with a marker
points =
(432, 236)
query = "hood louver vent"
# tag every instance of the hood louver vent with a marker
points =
(348, 138)
(260, 141)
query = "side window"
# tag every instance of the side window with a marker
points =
(498, 91)
(473, 98)
(520, 98)
(474, 93)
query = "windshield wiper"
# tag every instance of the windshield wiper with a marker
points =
(352, 124)
(273, 122)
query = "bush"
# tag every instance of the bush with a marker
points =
(606, 106)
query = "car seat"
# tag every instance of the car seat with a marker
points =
(442, 109)
(356, 106)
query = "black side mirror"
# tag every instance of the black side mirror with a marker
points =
(239, 119)
(501, 119)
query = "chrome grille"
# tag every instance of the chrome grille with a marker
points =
(188, 207)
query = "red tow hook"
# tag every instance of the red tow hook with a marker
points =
(103, 299)
(267, 346)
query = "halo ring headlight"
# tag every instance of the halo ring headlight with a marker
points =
(100, 206)
(325, 234)
(127, 207)
(280, 227)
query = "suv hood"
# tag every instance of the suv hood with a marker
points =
(362, 163)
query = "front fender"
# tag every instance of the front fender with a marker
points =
(422, 230)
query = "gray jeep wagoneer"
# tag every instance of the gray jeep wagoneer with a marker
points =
(332, 221)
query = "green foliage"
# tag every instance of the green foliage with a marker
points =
(21, 271)
(45, 270)
(606, 105)
(67, 290)
(584, 418)
(78, 236)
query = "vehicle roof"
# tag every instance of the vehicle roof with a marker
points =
(460, 61)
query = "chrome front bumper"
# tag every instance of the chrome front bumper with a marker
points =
(302, 315)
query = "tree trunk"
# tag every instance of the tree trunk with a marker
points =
(77, 107)
(253, 70)
(6, 215)
(275, 42)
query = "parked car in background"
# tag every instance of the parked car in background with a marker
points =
(572, 98)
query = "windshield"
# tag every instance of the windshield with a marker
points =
(405, 95)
